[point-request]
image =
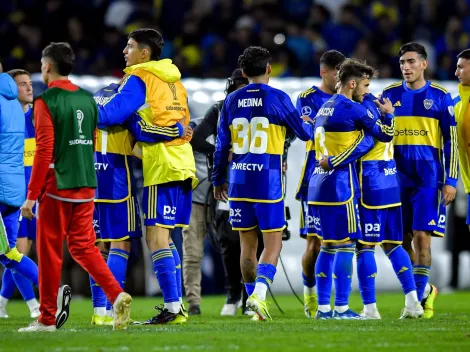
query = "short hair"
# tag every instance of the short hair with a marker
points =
(464, 55)
(151, 38)
(62, 57)
(353, 68)
(413, 47)
(235, 81)
(332, 59)
(18, 72)
(254, 60)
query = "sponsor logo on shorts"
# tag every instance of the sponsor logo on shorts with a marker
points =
(169, 212)
(388, 171)
(372, 230)
(96, 226)
(319, 171)
(442, 222)
(313, 222)
(234, 214)
(101, 166)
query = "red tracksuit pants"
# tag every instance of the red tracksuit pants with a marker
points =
(74, 222)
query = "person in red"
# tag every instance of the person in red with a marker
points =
(63, 181)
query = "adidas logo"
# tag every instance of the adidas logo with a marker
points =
(372, 276)
(432, 222)
(397, 104)
(402, 270)
(321, 275)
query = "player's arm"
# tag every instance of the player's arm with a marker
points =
(144, 132)
(382, 130)
(129, 98)
(448, 128)
(222, 148)
(206, 128)
(299, 127)
(465, 130)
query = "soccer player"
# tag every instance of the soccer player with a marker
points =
(253, 123)
(116, 216)
(12, 194)
(425, 126)
(27, 230)
(381, 223)
(63, 179)
(152, 89)
(343, 133)
(308, 104)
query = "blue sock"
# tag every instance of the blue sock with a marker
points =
(265, 274)
(98, 297)
(26, 268)
(25, 287)
(323, 273)
(342, 274)
(308, 281)
(164, 268)
(177, 259)
(8, 284)
(421, 274)
(250, 287)
(403, 269)
(117, 263)
(366, 272)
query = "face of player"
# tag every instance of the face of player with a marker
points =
(25, 89)
(361, 89)
(133, 55)
(412, 66)
(463, 71)
(328, 76)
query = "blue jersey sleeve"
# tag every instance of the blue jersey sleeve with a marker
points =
(361, 146)
(292, 119)
(222, 148)
(144, 132)
(448, 128)
(383, 131)
(129, 98)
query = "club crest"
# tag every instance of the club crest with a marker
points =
(428, 103)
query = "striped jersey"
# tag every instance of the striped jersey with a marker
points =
(29, 144)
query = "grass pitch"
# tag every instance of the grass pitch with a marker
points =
(449, 330)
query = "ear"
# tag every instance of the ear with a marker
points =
(425, 64)
(145, 53)
(352, 84)
(269, 70)
(322, 72)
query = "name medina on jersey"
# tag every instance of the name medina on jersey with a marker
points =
(246, 103)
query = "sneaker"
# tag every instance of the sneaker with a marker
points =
(324, 315)
(428, 303)
(98, 319)
(348, 315)
(194, 309)
(310, 305)
(412, 313)
(36, 326)
(248, 312)
(3, 312)
(35, 313)
(109, 321)
(185, 311)
(165, 317)
(229, 310)
(259, 306)
(370, 315)
(63, 305)
(122, 311)
(255, 317)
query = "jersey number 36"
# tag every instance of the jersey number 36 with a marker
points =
(250, 136)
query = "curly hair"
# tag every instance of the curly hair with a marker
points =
(254, 60)
(355, 69)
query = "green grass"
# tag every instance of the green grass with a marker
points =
(449, 330)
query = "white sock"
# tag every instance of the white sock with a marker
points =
(370, 308)
(427, 290)
(324, 308)
(341, 309)
(3, 301)
(260, 290)
(410, 299)
(109, 313)
(173, 307)
(309, 290)
(101, 311)
(32, 304)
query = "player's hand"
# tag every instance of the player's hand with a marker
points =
(27, 209)
(324, 163)
(187, 132)
(386, 107)
(284, 167)
(448, 194)
(221, 192)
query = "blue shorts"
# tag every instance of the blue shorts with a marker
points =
(303, 231)
(28, 227)
(420, 207)
(381, 225)
(244, 216)
(337, 223)
(10, 216)
(168, 205)
(440, 230)
(114, 222)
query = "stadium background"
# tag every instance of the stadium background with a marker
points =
(205, 37)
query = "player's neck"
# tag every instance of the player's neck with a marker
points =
(348, 93)
(259, 79)
(56, 77)
(324, 88)
(418, 84)
(25, 107)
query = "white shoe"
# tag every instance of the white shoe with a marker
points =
(36, 326)
(3, 312)
(412, 313)
(35, 313)
(122, 311)
(371, 315)
(63, 305)
(229, 309)
(249, 312)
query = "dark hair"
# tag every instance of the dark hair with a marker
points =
(18, 72)
(151, 38)
(62, 57)
(464, 55)
(413, 47)
(254, 60)
(332, 59)
(235, 81)
(353, 68)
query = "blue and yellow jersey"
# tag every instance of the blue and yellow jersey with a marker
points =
(377, 170)
(425, 126)
(308, 104)
(29, 144)
(253, 123)
(114, 147)
(462, 117)
(344, 132)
